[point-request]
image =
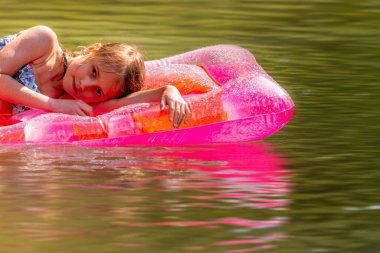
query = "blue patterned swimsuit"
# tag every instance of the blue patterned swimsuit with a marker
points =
(25, 75)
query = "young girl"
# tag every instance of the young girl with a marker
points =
(35, 72)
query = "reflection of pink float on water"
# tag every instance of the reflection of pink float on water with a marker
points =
(231, 97)
(241, 189)
(249, 175)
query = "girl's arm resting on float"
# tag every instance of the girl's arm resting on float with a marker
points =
(15, 93)
(167, 95)
(146, 96)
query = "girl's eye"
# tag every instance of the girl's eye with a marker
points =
(98, 92)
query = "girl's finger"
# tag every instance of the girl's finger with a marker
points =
(88, 111)
(80, 112)
(177, 120)
(171, 111)
(85, 108)
(162, 103)
(182, 115)
(187, 112)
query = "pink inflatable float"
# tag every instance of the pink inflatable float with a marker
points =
(231, 97)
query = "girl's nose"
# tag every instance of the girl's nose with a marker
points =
(86, 83)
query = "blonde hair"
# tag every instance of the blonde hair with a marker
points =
(122, 59)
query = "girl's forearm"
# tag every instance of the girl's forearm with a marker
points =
(146, 96)
(15, 93)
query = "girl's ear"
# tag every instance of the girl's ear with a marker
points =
(93, 47)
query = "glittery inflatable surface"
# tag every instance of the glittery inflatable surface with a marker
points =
(232, 99)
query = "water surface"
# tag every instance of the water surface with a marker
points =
(312, 187)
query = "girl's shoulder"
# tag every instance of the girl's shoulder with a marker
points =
(43, 35)
(42, 38)
(36, 45)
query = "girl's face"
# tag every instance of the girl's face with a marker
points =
(85, 81)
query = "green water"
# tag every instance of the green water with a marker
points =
(324, 53)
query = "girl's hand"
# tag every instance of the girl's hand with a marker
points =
(178, 107)
(68, 106)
